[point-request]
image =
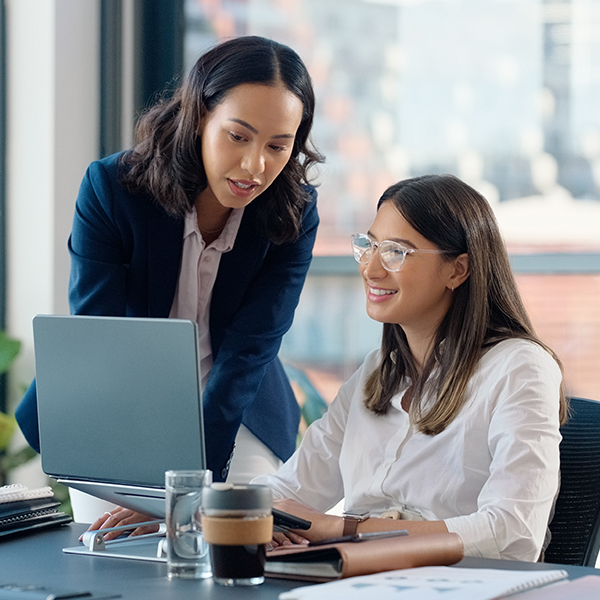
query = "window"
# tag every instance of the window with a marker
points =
(502, 93)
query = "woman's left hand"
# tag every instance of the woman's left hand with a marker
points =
(120, 516)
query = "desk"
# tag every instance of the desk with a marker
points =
(38, 559)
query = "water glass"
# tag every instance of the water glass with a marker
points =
(187, 551)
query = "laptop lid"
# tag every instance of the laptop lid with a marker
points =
(119, 403)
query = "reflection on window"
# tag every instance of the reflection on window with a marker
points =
(502, 93)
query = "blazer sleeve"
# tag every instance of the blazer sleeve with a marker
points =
(246, 332)
(125, 250)
(99, 256)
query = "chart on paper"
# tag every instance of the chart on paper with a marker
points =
(433, 583)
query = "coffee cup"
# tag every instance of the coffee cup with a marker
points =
(237, 524)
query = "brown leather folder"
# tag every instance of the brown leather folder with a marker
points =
(349, 559)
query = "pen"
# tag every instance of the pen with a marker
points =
(360, 537)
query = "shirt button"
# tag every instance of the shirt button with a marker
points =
(207, 259)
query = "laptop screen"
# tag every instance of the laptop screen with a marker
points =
(119, 398)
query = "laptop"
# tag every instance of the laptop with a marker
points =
(119, 403)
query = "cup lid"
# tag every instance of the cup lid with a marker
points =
(229, 496)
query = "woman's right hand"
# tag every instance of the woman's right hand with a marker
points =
(288, 538)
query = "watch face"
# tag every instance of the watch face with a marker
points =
(356, 515)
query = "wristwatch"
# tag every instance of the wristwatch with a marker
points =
(351, 521)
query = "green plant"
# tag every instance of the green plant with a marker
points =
(312, 405)
(9, 460)
(9, 349)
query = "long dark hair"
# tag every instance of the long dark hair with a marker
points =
(166, 160)
(458, 220)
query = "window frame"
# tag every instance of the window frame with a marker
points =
(3, 382)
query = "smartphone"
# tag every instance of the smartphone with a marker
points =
(283, 520)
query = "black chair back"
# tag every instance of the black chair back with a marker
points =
(576, 522)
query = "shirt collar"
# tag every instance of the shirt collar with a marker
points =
(225, 241)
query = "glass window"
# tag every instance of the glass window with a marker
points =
(502, 93)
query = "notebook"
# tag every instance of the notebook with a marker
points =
(329, 562)
(24, 510)
(431, 583)
(119, 403)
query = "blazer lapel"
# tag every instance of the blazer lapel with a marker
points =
(165, 247)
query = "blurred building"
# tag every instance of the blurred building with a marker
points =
(502, 93)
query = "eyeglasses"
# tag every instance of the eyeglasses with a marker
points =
(391, 254)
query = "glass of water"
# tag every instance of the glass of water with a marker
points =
(187, 551)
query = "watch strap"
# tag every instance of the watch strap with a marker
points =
(351, 522)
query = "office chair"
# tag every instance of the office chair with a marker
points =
(576, 523)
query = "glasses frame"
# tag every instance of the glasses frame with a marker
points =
(363, 256)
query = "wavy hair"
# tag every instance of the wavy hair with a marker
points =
(458, 220)
(166, 159)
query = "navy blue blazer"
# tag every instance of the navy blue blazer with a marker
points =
(125, 260)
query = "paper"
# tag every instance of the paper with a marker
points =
(16, 491)
(433, 583)
(583, 588)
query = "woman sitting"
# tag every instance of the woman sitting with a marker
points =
(453, 424)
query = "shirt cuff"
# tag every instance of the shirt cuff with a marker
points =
(476, 534)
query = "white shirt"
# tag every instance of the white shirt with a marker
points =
(199, 267)
(492, 475)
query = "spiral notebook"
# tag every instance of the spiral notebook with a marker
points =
(23, 509)
(433, 583)
(582, 588)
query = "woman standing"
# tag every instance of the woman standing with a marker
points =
(209, 217)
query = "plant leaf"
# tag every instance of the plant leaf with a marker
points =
(9, 349)
(7, 428)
